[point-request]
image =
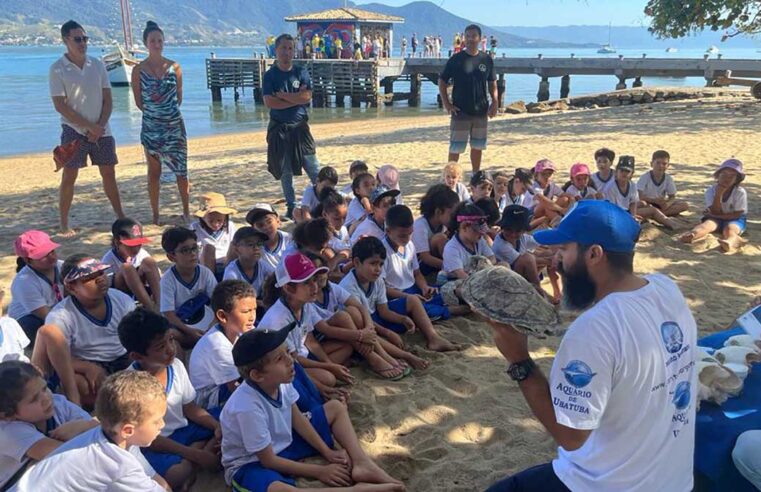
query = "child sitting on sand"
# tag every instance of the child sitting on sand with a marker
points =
(382, 198)
(215, 231)
(428, 235)
(546, 201)
(333, 208)
(402, 315)
(467, 228)
(481, 185)
(265, 436)
(360, 206)
(249, 265)
(355, 169)
(326, 178)
(388, 175)
(656, 188)
(726, 207)
(491, 210)
(501, 182)
(452, 177)
(133, 269)
(264, 219)
(604, 160)
(580, 187)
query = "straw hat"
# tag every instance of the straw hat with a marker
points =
(214, 202)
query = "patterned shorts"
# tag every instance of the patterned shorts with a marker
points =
(102, 152)
(465, 127)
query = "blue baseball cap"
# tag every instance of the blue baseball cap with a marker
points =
(595, 222)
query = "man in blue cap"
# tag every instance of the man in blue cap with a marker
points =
(621, 395)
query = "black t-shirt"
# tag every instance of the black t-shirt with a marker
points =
(471, 75)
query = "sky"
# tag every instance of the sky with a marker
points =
(541, 12)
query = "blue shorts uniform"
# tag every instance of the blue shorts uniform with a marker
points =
(398, 306)
(740, 222)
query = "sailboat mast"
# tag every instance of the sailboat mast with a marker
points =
(126, 24)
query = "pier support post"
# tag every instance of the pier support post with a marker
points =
(621, 83)
(637, 82)
(318, 100)
(340, 99)
(216, 94)
(258, 97)
(565, 86)
(415, 83)
(501, 85)
(388, 88)
(355, 101)
(544, 90)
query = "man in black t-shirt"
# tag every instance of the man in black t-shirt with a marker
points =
(474, 83)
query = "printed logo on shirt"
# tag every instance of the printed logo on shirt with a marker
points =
(578, 373)
(681, 396)
(482, 67)
(296, 83)
(672, 336)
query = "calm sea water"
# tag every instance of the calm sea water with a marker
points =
(28, 122)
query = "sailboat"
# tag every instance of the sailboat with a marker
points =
(120, 61)
(671, 50)
(607, 48)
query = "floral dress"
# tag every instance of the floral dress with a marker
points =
(163, 133)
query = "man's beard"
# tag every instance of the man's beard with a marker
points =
(579, 290)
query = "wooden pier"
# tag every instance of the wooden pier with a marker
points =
(361, 81)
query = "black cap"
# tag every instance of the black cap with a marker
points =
(626, 162)
(255, 344)
(516, 218)
(259, 211)
(481, 177)
(247, 232)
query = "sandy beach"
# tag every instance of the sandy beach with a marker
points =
(459, 425)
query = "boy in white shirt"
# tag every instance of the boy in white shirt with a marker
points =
(604, 160)
(264, 219)
(249, 266)
(190, 433)
(657, 187)
(355, 169)
(326, 178)
(211, 366)
(265, 436)
(381, 199)
(131, 407)
(79, 344)
(186, 287)
(13, 340)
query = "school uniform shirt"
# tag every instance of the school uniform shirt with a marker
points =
(91, 461)
(422, 234)
(175, 291)
(179, 392)
(462, 191)
(623, 199)
(625, 370)
(13, 340)
(586, 194)
(233, 271)
(599, 182)
(278, 316)
(251, 420)
(273, 256)
(347, 191)
(399, 267)
(116, 262)
(90, 338)
(211, 365)
(355, 212)
(370, 298)
(330, 300)
(456, 254)
(340, 241)
(309, 198)
(550, 191)
(737, 201)
(31, 290)
(367, 227)
(506, 252)
(17, 436)
(220, 239)
(647, 186)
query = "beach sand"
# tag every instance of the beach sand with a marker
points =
(460, 425)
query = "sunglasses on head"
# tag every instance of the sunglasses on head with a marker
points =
(80, 39)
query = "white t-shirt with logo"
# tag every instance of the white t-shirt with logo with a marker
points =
(13, 341)
(220, 239)
(456, 255)
(647, 186)
(251, 421)
(506, 252)
(211, 365)
(175, 291)
(274, 255)
(31, 290)
(399, 267)
(335, 300)
(737, 201)
(179, 392)
(82, 88)
(89, 338)
(626, 371)
(370, 298)
(278, 316)
(91, 461)
(624, 198)
(17, 437)
(367, 227)
(233, 271)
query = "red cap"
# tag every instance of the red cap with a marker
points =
(34, 244)
(578, 169)
(296, 268)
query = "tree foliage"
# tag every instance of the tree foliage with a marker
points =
(678, 18)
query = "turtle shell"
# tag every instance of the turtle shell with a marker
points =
(504, 296)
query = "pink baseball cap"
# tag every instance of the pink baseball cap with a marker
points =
(578, 169)
(389, 176)
(34, 244)
(543, 165)
(296, 268)
(733, 164)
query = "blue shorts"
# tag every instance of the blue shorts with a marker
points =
(398, 306)
(740, 223)
(426, 269)
(254, 477)
(309, 395)
(162, 462)
(436, 308)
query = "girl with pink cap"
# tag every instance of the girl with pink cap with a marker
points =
(544, 198)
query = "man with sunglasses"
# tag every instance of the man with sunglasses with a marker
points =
(81, 94)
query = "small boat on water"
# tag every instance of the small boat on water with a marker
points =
(671, 50)
(120, 61)
(712, 50)
(607, 48)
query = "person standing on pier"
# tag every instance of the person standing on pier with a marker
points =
(474, 81)
(81, 94)
(287, 91)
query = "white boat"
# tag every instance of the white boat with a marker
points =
(671, 50)
(712, 50)
(607, 48)
(120, 61)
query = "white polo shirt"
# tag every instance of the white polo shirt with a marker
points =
(179, 392)
(367, 227)
(737, 201)
(278, 316)
(340, 241)
(370, 298)
(625, 370)
(90, 338)
(13, 341)
(456, 255)
(31, 290)
(506, 252)
(82, 88)
(623, 199)
(309, 198)
(550, 191)
(233, 271)
(399, 267)
(251, 420)
(462, 191)
(91, 461)
(211, 365)
(422, 234)
(175, 291)
(274, 255)
(17, 436)
(220, 239)
(587, 194)
(330, 300)
(355, 212)
(647, 186)
(599, 182)
(116, 262)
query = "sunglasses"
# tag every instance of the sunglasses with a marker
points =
(187, 250)
(80, 39)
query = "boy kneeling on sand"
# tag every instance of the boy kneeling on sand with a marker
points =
(261, 452)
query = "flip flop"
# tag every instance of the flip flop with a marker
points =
(380, 375)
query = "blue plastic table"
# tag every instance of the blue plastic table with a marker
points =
(717, 428)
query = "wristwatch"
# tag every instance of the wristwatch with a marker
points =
(519, 371)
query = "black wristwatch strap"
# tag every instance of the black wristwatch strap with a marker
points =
(521, 370)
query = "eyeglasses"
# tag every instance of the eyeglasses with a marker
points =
(80, 39)
(187, 250)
